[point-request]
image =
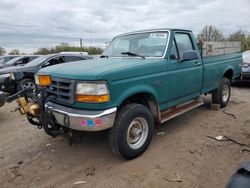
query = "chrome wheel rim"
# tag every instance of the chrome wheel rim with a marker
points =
(29, 84)
(225, 93)
(137, 133)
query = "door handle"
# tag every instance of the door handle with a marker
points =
(197, 63)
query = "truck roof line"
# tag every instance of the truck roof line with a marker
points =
(153, 30)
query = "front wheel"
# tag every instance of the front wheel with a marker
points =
(132, 131)
(222, 94)
(26, 83)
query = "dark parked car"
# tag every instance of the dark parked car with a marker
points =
(2, 98)
(241, 177)
(6, 58)
(245, 71)
(18, 61)
(13, 79)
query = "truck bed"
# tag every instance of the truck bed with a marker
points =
(224, 63)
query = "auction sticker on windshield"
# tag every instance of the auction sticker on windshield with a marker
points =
(158, 35)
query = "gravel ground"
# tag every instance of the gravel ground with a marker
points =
(180, 155)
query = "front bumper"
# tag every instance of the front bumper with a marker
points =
(8, 85)
(2, 98)
(82, 120)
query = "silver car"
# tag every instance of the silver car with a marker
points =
(245, 71)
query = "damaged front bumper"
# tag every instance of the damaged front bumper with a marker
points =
(2, 98)
(82, 120)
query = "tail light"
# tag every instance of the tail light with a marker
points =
(246, 65)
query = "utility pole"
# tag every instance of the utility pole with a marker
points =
(81, 43)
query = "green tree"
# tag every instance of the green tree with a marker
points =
(242, 37)
(42, 51)
(210, 33)
(246, 43)
(2, 51)
(14, 52)
(237, 36)
(64, 47)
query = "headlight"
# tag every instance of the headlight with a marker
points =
(43, 80)
(12, 76)
(96, 92)
(5, 75)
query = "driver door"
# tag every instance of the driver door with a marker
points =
(184, 77)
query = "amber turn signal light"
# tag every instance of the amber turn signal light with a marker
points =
(92, 98)
(44, 80)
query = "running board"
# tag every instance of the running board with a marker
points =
(180, 109)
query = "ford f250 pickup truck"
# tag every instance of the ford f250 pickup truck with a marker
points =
(142, 78)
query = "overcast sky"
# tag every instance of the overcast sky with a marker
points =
(28, 25)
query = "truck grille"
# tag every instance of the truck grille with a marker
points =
(61, 90)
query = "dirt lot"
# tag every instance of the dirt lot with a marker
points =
(180, 155)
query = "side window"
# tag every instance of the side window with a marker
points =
(61, 59)
(74, 58)
(55, 61)
(174, 54)
(18, 62)
(22, 61)
(25, 60)
(183, 42)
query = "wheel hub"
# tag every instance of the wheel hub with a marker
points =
(137, 132)
(225, 93)
(29, 85)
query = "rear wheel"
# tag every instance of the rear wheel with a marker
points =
(132, 131)
(222, 94)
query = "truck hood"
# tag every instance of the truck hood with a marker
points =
(3, 65)
(96, 68)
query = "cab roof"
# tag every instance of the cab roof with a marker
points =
(154, 30)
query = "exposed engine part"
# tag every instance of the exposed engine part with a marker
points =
(28, 107)
(33, 105)
(22, 103)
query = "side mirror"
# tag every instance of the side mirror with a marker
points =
(190, 55)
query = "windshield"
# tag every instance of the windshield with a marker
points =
(1, 59)
(12, 61)
(37, 61)
(152, 44)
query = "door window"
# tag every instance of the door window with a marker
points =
(55, 61)
(74, 58)
(22, 61)
(184, 43)
(174, 53)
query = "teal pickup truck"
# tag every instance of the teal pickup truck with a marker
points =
(142, 78)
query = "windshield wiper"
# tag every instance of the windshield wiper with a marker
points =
(132, 54)
(104, 56)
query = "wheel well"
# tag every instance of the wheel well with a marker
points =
(228, 74)
(145, 99)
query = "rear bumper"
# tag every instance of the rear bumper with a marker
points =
(245, 76)
(82, 120)
(245, 73)
(2, 98)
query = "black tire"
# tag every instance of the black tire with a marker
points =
(23, 84)
(128, 117)
(219, 96)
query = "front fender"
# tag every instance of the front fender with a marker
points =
(128, 92)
